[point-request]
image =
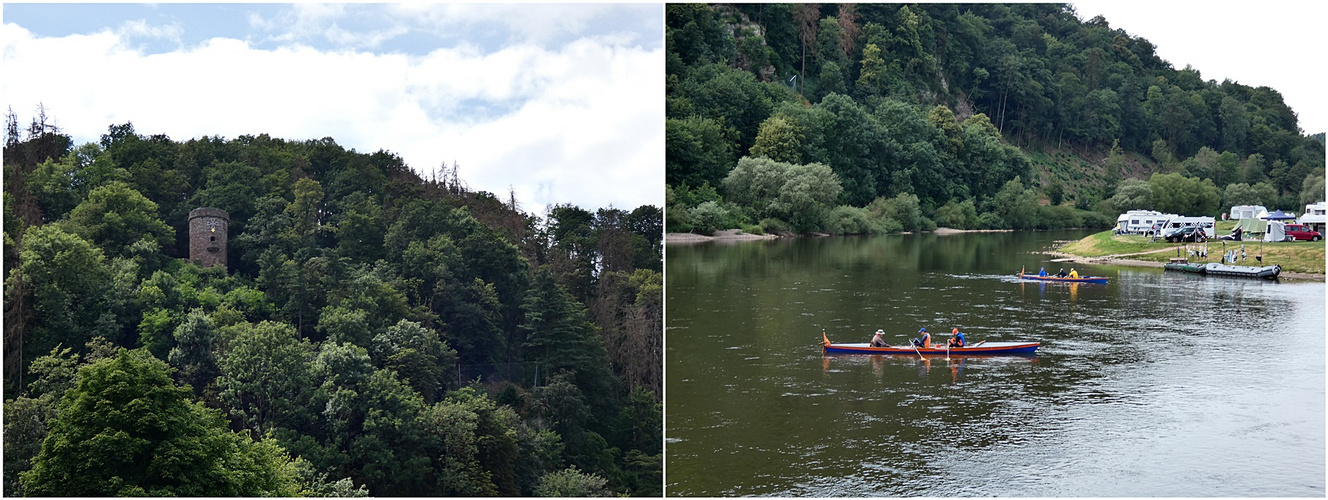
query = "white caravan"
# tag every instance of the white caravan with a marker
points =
(1239, 212)
(1141, 221)
(1206, 223)
(1316, 214)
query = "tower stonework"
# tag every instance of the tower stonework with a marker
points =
(207, 236)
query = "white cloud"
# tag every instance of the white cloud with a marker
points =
(582, 123)
(141, 29)
(312, 22)
(535, 22)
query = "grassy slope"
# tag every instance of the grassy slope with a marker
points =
(1080, 174)
(1300, 256)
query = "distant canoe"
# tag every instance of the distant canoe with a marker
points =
(980, 349)
(1101, 280)
(1216, 269)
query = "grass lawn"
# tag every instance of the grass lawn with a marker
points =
(1298, 256)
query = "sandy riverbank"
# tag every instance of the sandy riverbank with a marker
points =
(725, 235)
(948, 230)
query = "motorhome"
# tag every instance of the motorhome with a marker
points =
(1178, 223)
(1246, 211)
(1140, 221)
(1315, 216)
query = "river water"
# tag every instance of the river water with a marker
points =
(1157, 384)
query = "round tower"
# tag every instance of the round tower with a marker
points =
(207, 236)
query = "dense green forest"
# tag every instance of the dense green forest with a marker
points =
(869, 118)
(373, 332)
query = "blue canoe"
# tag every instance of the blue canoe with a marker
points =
(1101, 280)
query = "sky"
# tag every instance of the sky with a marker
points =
(1273, 43)
(561, 103)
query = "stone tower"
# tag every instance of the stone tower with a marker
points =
(207, 236)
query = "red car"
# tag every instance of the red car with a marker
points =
(1302, 232)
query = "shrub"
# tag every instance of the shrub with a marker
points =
(844, 219)
(677, 219)
(752, 229)
(692, 197)
(1094, 220)
(962, 215)
(799, 194)
(887, 226)
(989, 220)
(1056, 217)
(925, 224)
(708, 217)
(903, 209)
(571, 482)
(775, 226)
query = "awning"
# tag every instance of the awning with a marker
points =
(1278, 215)
(1254, 226)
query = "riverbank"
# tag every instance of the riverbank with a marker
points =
(724, 235)
(738, 235)
(1299, 260)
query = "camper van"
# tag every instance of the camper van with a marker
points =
(1315, 215)
(1141, 221)
(1239, 212)
(1178, 223)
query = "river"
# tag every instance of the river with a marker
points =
(1157, 384)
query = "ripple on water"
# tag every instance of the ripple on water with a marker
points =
(1151, 386)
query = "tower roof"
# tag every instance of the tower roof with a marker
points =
(208, 212)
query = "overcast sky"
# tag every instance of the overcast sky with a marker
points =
(564, 103)
(1272, 43)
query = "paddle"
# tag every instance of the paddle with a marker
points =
(979, 343)
(915, 349)
(947, 351)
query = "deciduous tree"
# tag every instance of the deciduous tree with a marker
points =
(126, 429)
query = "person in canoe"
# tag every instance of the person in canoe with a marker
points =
(878, 341)
(1061, 273)
(925, 341)
(1073, 273)
(957, 339)
(1042, 271)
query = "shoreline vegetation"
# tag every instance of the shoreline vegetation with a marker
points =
(728, 235)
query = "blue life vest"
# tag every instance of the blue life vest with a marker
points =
(962, 340)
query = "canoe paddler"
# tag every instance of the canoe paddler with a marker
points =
(1073, 273)
(957, 339)
(924, 341)
(878, 341)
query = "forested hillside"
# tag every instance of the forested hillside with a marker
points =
(962, 115)
(373, 332)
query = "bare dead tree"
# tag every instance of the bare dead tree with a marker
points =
(848, 21)
(18, 315)
(11, 129)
